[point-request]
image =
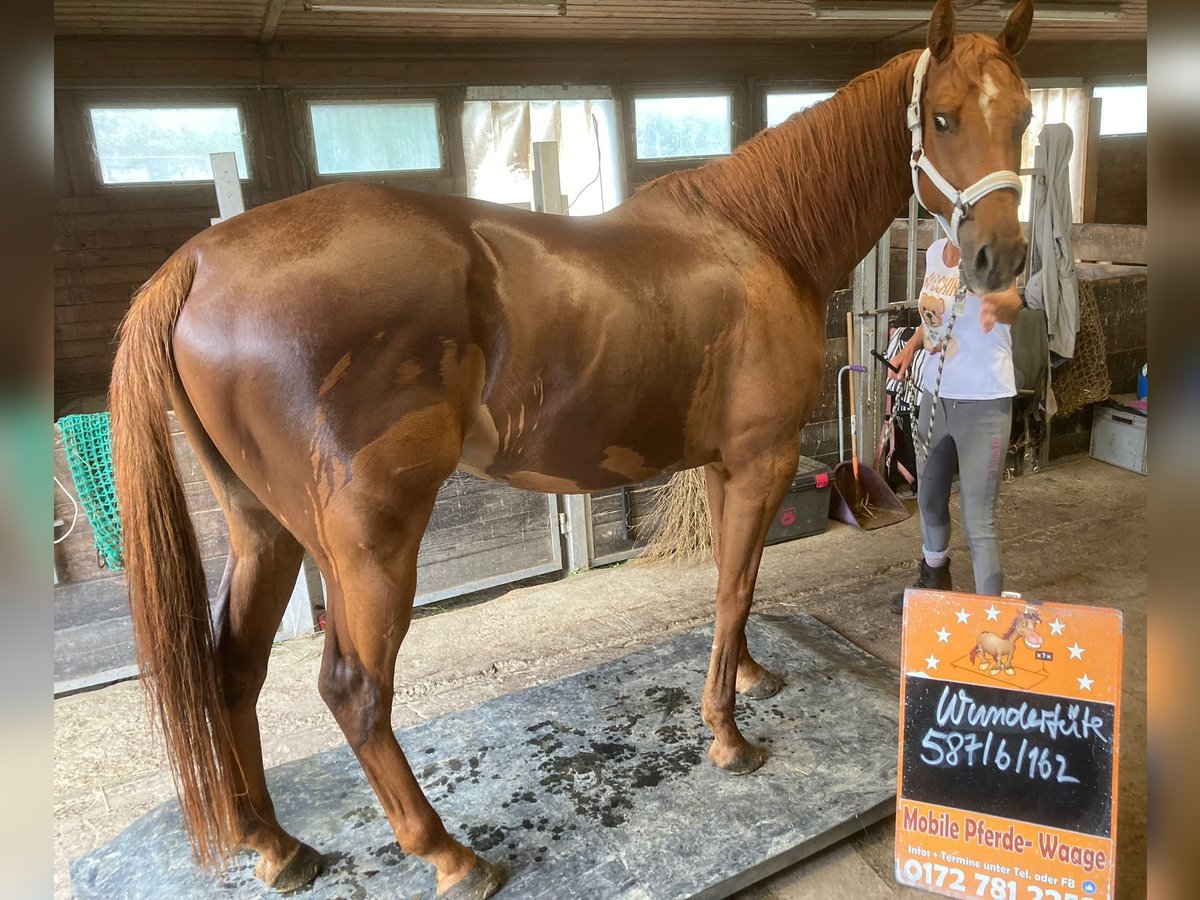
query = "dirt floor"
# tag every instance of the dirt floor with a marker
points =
(1075, 533)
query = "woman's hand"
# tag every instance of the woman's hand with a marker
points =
(1003, 307)
(902, 360)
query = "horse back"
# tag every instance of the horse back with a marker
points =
(575, 354)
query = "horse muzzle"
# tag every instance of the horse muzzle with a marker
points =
(993, 265)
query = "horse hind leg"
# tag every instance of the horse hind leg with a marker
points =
(371, 542)
(264, 559)
(754, 681)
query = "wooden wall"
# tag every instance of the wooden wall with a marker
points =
(109, 239)
(1121, 179)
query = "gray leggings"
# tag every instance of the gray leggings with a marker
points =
(970, 437)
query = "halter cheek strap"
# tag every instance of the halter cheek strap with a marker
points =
(963, 200)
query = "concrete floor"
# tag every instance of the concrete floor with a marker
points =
(1075, 533)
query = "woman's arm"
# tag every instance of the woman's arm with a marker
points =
(904, 358)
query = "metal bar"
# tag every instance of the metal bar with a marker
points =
(910, 269)
(619, 556)
(891, 307)
(575, 506)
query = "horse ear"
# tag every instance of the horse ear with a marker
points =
(941, 30)
(1016, 29)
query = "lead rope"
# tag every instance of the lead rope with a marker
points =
(959, 294)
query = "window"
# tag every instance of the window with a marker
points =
(782, 105)
(384, 136)
(1123, 110)
(498, 139)
(165, 144)
(1055, 106)
(677, 127)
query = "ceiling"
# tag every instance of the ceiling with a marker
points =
(287, 20)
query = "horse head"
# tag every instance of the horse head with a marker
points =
(1025, 625)
(968, 118)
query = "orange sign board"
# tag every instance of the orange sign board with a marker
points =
(1009, 737)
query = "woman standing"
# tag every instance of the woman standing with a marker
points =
(972, 418)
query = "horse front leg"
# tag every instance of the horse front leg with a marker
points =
(754, 682)
(752, 494)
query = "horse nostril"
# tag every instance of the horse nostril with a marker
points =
(983, 259)
(1021, 261)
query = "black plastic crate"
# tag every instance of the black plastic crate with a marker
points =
(805, 509)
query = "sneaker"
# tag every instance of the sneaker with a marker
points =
(936, 578)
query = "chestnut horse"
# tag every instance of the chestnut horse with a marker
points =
(1000, 647)
(334, 356)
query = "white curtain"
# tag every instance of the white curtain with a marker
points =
(498, 139)
(1053, 106)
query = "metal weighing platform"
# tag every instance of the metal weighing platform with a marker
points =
(592, 786)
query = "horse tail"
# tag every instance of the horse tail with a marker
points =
(974, 653)
(168, 596)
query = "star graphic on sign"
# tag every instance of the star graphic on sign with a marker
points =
(1085, 683)
(931, 661)
(962, 616)
(993, 614)
(943, 635)
(1056, 627)
(1076, 651)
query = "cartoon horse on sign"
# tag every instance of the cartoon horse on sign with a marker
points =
(1000, 647)
(334, 356)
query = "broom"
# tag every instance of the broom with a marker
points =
(680, 523)
(862, 501)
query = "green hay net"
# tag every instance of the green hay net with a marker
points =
(89, 456)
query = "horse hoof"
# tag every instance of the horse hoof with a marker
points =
(481, 882)
(994, 672)
(768, 686)
(982, 667)
(749, 759)
(301, 868)
(1010, 671)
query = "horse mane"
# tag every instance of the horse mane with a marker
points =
(1013, 627)
(798, 188)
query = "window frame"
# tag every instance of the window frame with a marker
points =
(680, 92)
(1120, 84)
(764, 88)
(450, 178)
(358, 99)
(164, 101)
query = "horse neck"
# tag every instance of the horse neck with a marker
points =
(819, 190)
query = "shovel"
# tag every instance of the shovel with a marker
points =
(861, 497)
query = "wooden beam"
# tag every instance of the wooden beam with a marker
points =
(1091, 160)
(271, 21)
(175, 63)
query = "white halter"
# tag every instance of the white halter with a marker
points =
(963, 200)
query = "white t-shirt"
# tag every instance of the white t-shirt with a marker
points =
(979, 364)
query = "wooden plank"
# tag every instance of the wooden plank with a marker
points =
(271, 21)
(370, 61)
(1091, 160)
(1125, 244)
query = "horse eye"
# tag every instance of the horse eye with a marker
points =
(940, 122)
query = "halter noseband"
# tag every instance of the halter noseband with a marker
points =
(962, 200)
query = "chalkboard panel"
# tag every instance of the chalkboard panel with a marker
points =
(1032, 757)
